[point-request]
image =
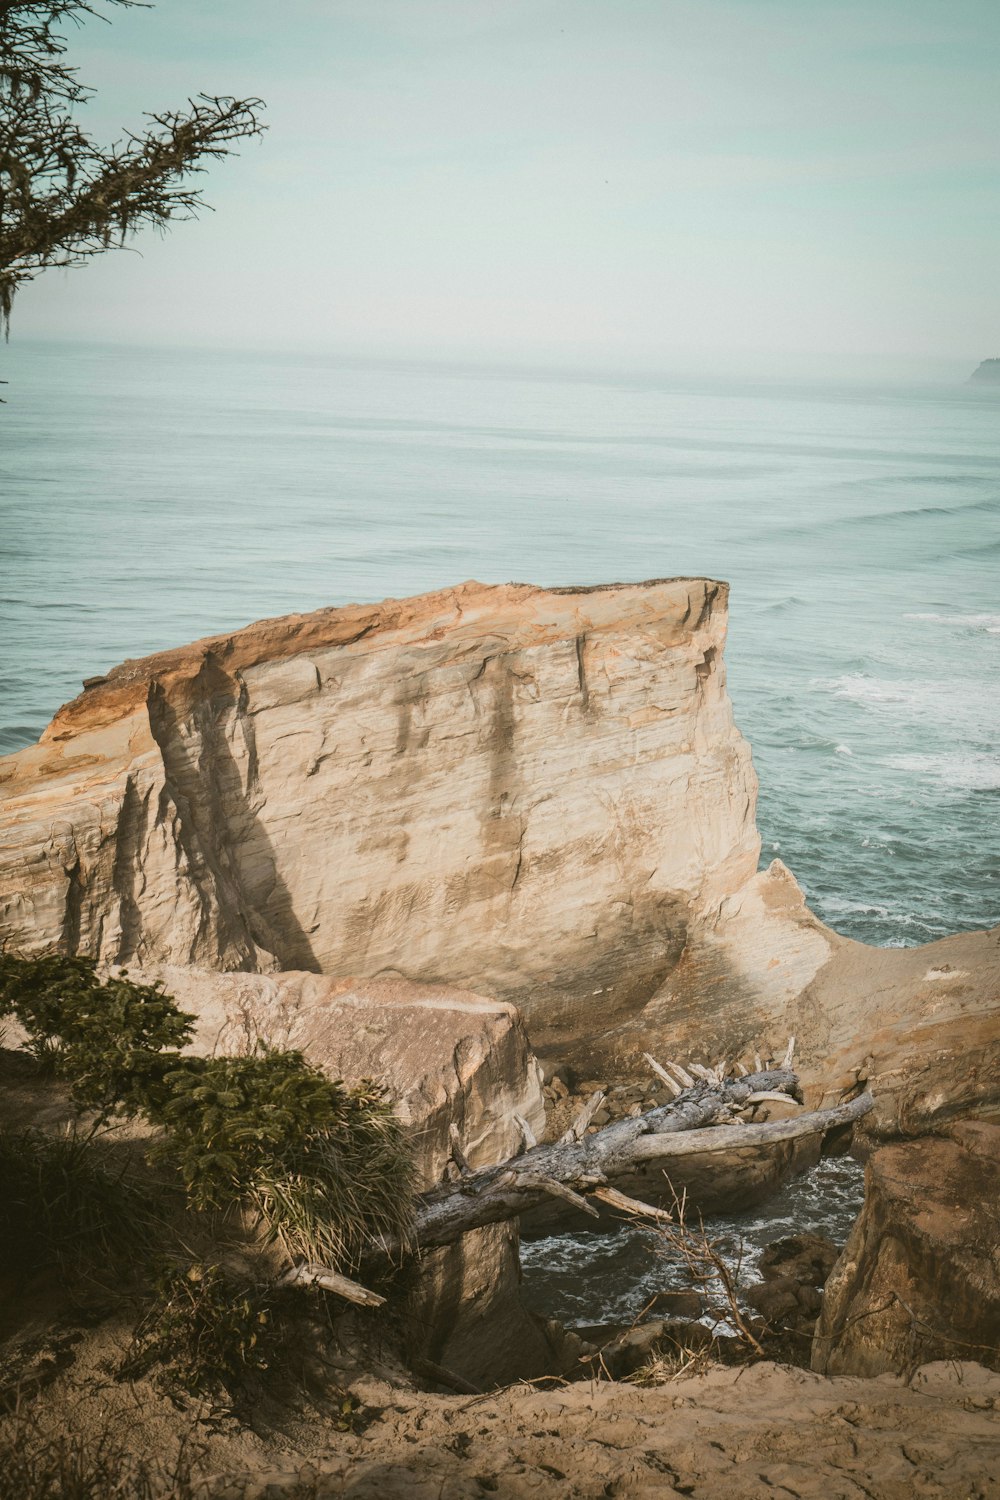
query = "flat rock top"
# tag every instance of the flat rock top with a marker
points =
(520, 610)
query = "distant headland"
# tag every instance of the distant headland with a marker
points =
(987, 373)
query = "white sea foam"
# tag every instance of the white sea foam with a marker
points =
(876, 691)
(920, 701)
(990, 624)
(961, 770)
(843, 750)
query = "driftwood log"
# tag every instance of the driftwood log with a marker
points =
(706, 1114)
(700, 1119)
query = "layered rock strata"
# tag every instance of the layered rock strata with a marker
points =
(539, 793)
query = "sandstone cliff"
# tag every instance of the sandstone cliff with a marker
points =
(539, 793)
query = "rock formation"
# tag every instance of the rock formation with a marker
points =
(919, 1278)
(540, 795)
(448, 1057)
(918, 1026)
(986, 373)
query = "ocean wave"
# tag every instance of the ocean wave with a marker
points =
(791, 601)
(902, 514)
(988, 623)
(956, 701)
(966, 771)
(908, 693)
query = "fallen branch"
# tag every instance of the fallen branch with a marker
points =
(632, 1206)
(331, 1281)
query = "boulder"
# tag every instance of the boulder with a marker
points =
(536, 793)
(446, 1057)
(919, 1277)
(806, 1259)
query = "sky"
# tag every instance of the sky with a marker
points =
(573, 181)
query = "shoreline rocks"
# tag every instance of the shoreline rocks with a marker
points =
(919, 1278)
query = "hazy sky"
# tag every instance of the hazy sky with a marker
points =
(642, 180)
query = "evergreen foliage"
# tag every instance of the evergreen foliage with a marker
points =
(324, 1166)
(112, 1040)
(63, 197)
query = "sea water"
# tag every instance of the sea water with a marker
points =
(151, 497)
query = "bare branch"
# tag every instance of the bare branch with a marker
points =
(331, 1281)
(63, 197)
(633, 1206)
(662, 1073)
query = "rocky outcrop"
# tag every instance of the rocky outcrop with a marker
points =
(919, 1278)
(918, 1026)
(538, 793)
(446, 1057)
(986, 373)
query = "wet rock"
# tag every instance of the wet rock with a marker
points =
(794, 1269)
(777, 1301)
(680, 1304)
(807, 1259)
(919, 1278)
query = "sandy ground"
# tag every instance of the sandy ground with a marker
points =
(765, 1431)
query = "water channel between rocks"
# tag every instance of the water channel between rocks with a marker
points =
(582, 1279)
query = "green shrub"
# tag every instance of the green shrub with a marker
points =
(325, 1166)
(60, 1206)
(112, 1040)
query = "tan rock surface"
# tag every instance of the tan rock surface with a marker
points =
(446, 1057)
(539, 795)
(919, 1277)
(920, 1025)
(535, 792)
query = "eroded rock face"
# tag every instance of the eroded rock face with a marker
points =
(918, 1026)
(447, 1057)
(537, 793)
(919, 1278)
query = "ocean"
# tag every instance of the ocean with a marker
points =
(152, 496)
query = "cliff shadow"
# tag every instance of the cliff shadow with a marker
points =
(223, 835)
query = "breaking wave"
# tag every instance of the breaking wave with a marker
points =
(990, 624)
(964, 771)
